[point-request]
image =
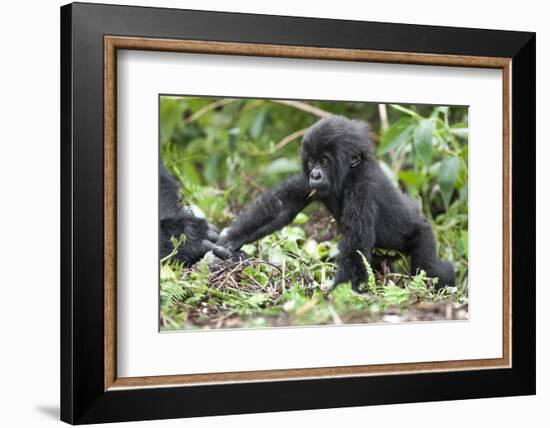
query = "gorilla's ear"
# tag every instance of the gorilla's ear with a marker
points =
(355, 160)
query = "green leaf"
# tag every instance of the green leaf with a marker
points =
(412, 179)
(171, 112)
(422, 139)
(418, 282)
(258, 124)
(232, 134)
(460, 131)
(300, 218)
(464, 240)
(292, 233)
(448, 175)
(405, 110)
(310, 247)
(211, 168)
(283, 166)
(166, 273)
(396, 135)
(395, 295)
(249, 250)
(190, 174)
(257, 299)
(371, 281)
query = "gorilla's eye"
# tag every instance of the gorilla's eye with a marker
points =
(324, 161)
(311, 164)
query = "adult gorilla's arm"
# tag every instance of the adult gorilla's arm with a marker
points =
(273, 210)
(176, 219)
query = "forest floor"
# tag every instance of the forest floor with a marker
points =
(283, 289)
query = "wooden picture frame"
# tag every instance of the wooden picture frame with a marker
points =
(91, 391)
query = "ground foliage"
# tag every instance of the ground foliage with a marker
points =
(226, 151)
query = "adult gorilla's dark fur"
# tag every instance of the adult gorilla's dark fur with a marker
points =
(340, 170)
(176, 220)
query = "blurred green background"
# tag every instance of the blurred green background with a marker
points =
(226, 151)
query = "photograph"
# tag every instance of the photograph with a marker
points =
(287, 212)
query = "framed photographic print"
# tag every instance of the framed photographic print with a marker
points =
(265, 213)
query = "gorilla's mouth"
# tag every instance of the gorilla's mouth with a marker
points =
(318, 189)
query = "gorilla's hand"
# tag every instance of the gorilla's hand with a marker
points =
(210, 238)
(227, 248)
(212, 233)
(200, 237)
(177, 220)
(222, 252)
(224, 248)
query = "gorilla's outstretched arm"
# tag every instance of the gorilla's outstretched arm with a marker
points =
(273, 210)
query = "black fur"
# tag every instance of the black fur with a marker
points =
(340, 170)
(176, 220)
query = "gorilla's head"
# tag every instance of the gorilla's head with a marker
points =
(331, 149)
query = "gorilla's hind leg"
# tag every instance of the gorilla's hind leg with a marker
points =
(424, 257)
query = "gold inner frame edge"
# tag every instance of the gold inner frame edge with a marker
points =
(113, 43)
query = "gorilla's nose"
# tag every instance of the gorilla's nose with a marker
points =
(315, 175)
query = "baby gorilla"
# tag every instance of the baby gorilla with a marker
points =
(340, 170)
(176, 220)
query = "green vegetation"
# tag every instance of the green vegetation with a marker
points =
(226, 151)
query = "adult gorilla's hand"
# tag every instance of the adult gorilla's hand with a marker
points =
(226, 249)
(222, 252)
(211, 236)
(177, 220)
(200, 237)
